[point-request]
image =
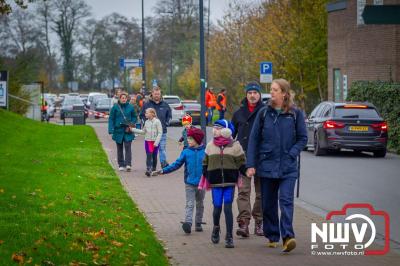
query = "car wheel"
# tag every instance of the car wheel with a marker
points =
(318, 151)
(380, 153)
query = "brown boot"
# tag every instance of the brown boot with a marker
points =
(243, 229)
(258, 228)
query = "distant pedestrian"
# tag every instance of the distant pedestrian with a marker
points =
(276, 140)
(152, 130)
(211, 102)
(122, 117)
(164, 113)
(221, 104)
(192, 157)
(223, 160)
(243, 120)
(137, 108)
(116, 97)
(187, 124)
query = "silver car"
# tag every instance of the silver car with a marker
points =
(176, 106)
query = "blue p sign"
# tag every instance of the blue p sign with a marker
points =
(265, 68)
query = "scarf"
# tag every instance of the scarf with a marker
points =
(221, 141)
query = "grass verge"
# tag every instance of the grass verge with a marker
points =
(61, 203)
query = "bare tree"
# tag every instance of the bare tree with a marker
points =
(67, 19)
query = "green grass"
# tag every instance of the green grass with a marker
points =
(61, 203)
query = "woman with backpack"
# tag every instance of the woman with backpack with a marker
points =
(276, 140)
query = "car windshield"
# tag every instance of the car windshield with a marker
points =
(71, 101)
(172, 100)
(105, 102)
(342, 112)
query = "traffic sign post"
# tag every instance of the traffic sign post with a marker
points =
(4, 89)
(266, 72)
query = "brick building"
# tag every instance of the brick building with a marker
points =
(358, 49)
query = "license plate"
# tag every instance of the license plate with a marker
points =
(195, 114)
(358, 128)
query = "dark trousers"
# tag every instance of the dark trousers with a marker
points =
(151, 156)
(127, 160)
(272, 190)
(221, 114)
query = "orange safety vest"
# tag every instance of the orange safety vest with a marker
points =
(211, 101)
(223, 101)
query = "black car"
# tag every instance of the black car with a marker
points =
(357, 126)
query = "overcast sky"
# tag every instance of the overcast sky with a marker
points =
(133, 8)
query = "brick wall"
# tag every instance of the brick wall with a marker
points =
(362, 52)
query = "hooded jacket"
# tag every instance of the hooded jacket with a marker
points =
(193, 159)
(275, 142)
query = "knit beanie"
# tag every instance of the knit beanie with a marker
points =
(253, 86)
(197, 134)
(227, 127)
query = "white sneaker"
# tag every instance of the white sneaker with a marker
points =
(128, 168)
(121, 168)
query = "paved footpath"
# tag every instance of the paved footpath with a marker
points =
(162, 199)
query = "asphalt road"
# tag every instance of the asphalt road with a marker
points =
(329, 182)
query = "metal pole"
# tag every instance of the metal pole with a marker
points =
(202, 71)
(208, 38)
(143, 51)
(170, 70)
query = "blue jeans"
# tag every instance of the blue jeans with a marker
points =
(163, 147)
(272, 190)
(221, 114)
(210, 115)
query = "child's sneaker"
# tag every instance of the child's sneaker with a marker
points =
(148, 173)
(229, 242)
(128, 168)
(187, 227)
(121, 168)
(198, 227)
(215, 234)
(272, 244)
(289, 244)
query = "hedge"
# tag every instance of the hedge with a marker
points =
(386, 97)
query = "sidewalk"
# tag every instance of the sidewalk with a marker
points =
(162, 199)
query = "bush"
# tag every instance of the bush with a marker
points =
(386, 97)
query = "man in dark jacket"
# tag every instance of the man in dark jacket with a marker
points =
(243, 120)
(164, 113)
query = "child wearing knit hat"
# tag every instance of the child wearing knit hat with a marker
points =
(224, 158)
(192, 158)
(187, 124)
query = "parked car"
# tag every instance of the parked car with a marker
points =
(91, 98)
(192, 108)
(355, 126)
(103, 105)
(84, 98)
(176, 106)
(68, 103)
(265, 97)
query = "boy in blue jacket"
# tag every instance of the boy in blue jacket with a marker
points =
(192, 157)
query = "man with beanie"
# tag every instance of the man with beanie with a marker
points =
(192, 157)
(243, 120)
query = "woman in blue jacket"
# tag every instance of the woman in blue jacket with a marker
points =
(122, 116)
(276, 140)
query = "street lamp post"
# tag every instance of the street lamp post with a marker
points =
(143, 53)
(202, 71)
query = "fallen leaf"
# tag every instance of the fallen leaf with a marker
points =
(1, 190)
(18, 257)
(76, 263)
(47, 262)
(80, 213)
(116, 243)
(14, 197)
(90, 246)
(143, 254)
(1, 242)
(98, 234)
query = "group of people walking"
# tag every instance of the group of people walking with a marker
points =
(260, 146)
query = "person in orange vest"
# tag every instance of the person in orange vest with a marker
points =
(211, 103)
(221, 104)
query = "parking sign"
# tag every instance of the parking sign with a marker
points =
(265, 72)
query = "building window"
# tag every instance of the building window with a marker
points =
(337, 85)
